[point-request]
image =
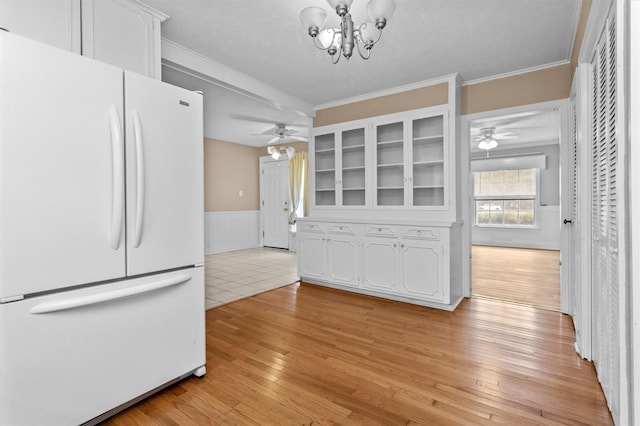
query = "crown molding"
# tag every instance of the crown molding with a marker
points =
(514, 73)
(155, 12)
(574, 28)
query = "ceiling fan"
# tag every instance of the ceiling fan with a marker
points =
(488, 138)
(280, 133)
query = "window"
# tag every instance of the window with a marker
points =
(506, 198)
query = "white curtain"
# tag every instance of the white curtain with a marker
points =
(298, 174)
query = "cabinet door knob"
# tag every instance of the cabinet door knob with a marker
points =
(395, 245)
(419, 233)
(401, 245)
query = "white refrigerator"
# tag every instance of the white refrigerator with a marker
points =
(101, 235)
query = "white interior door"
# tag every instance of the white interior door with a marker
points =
(275, 203)
(165, 189)
(61, 169)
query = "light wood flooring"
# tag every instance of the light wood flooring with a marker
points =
(527, 276)
(309, 355)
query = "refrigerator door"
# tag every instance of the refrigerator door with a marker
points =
(165, 188)
(68, 357)
(61, 169)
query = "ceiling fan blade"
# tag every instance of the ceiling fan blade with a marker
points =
(273, 140)
(289, 132)
(271, 131)
(299, 138)
(249, 118)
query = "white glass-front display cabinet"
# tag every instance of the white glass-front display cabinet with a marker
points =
(340, 168)
(410, 162)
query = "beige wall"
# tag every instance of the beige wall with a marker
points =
(230, 168)
(543, 85)
(423, 97)
(548, 84)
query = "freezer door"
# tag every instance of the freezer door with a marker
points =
(165, 188)
(61, 169)
(69, 357)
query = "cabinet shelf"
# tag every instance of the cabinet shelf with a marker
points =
(355, 168)
(390, 144)
(325, 189)
(390, 165)
(353, 189)
(428, 187)
(326, 171)
(353, 147)
(327, 150)
(428, 163)
(391, 187)
(429, 139)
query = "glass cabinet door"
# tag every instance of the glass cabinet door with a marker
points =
(353, 167)
(427, 181)
(325, 169)
(390, 173)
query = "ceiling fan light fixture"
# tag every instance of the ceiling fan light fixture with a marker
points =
(290, 151)
(342, 41)
(487, 144)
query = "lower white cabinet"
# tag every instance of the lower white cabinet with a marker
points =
(331, 252)
(408, 261)
(411, 263)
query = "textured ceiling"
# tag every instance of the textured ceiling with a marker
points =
(424, 39)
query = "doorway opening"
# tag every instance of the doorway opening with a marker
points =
(519, 275)
(515, 207)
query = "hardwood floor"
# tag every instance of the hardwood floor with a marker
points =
(527, 276)
(304, 354)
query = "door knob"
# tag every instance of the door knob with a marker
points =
(285, 209)
(568, 221)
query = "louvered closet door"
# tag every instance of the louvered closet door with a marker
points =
(574, 235)
(604, 253)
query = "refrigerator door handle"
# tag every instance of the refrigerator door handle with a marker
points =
(117, 202)
(137, 132)
(92, 299)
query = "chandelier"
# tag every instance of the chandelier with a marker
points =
(343, 39)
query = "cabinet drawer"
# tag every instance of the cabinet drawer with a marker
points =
(421, 233)
(381, 231)
(310, 227)
(343, 229)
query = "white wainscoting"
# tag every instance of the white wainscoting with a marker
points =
(546, 236)
(228, 231)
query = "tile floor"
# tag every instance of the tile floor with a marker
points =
(239, 274)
